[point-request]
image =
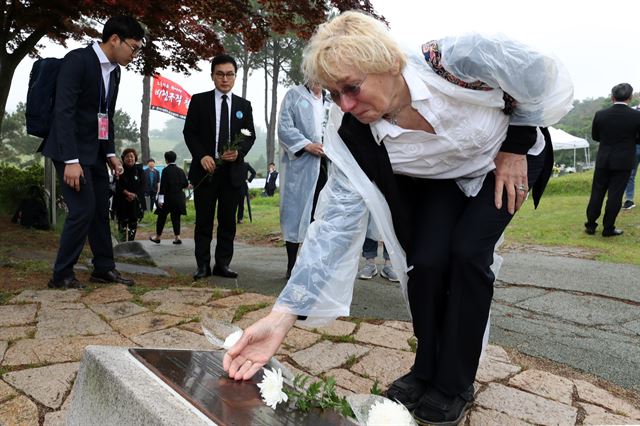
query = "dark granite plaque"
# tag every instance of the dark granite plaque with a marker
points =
(198, 376)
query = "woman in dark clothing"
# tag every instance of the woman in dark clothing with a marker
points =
(128, 200)
(171, 200)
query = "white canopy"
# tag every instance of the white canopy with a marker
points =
(564, 140)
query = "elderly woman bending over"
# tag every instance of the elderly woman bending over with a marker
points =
(439, 145)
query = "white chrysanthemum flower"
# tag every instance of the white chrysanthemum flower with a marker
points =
(245, 132)
(232, 339)
(387, 413)
(271, 388)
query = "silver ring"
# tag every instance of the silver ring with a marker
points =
(521, 188)
(249, 361)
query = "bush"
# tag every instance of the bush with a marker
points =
(570, 184)
(15, 182)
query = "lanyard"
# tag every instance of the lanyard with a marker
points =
(107, 97)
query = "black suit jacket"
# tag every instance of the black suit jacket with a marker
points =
(74, 130)
(200, 134)
(617, 128)
(172, 183)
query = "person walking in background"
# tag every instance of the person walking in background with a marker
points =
(617, 128)
(631, 184)
(270, 181)
(219, 133)
(300, 130)
(244, 190)
(128, 202)
(81, 141)
(370, 269)
(171, 199)
(152, 179)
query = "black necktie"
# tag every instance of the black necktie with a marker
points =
(223, 136)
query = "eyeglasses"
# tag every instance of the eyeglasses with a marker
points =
(222, 75)
(134, 50)
(349, 90)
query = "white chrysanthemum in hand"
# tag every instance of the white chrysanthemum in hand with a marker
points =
(232, 339)
(387, 413)
(271, 388)
(245, 132)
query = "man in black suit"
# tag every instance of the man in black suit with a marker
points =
(81, 141)
(244, 190)
(617, 128)
(219, 133)
(171, 198)
(270, 181)
(152, 177)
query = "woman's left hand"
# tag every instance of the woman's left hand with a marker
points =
(511, 175)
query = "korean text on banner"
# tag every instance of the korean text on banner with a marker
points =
(169, 97)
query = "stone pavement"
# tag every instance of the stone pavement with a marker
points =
(43, 333)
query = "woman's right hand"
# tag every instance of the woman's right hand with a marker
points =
(257, 345)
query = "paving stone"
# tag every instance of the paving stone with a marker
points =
(595, 395)
(83, 322)
(526, 406)
(194, 296)
(384, 365)
(17, 332)
(326, 355)
(633, 326)
(117, 310)
(179, 309)
(495, 365)
(65, 349)
(17, 314)
(19, 411)
(47, 385)
(48, 296)
(298, 339)
(145, 323)
(108, 294)
(173, 338)
(59, 418)
(219, 313)
(599, 416)
(253, 316)
(62, 306)
(399, 325)
(481, 417)
(349, 381)
(335, 328)
(544, 384)
(384, 336)
(3, 348)
(193, 327)
(245, 299)
(6, 392)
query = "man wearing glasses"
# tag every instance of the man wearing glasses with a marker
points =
(81, 143)
(219, 133)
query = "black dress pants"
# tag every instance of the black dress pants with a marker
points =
(606, 181)
(451, 284)
(215, 189)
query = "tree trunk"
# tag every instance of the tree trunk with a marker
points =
(245, 73)
(145, 152)
(8, 66)
(271, 131)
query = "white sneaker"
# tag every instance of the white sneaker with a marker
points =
(369, 271)
(388, 273)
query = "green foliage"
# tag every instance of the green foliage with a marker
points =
(375, 389)
(320, 394)
(126, 132)
(16, 146)
(14, 183)
(570, 184)
(245, 309)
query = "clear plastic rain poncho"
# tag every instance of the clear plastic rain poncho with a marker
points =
(321, 284)
(298, 173)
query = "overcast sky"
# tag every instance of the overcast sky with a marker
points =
(598, 41)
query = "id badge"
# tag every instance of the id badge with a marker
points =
(103, 126)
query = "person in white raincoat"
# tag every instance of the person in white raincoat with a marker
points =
(439, 146)
(302, 118)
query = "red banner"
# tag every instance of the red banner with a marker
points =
(169, 97)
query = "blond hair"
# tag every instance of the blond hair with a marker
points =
(352, 41)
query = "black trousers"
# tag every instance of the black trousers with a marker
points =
(88, 218)
(451, 284)
(215, 189)
(162, 219)
(244, 190)
(606, 181)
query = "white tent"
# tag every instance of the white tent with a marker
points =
(563, 140)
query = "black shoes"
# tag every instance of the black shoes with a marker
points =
(612, 232)
(224, 271)
(439, 409)
(202, 272)
(407, 390)
(177, 241)
(112, 276)
(69, 282)
(154, 240)
(628, 205)
(590, 229)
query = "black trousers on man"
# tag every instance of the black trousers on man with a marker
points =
(606, 181)
(451, 283)
(87, 218)
(212, 190)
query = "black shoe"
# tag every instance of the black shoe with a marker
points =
(112, 276)
(628, 205)
(154, 240)
(612, 232)
(240, 221)
(224, 271)
(69, 282)
(202, 272)
(590, 229)
(177, 241)
(407, 390)
(438, 409)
